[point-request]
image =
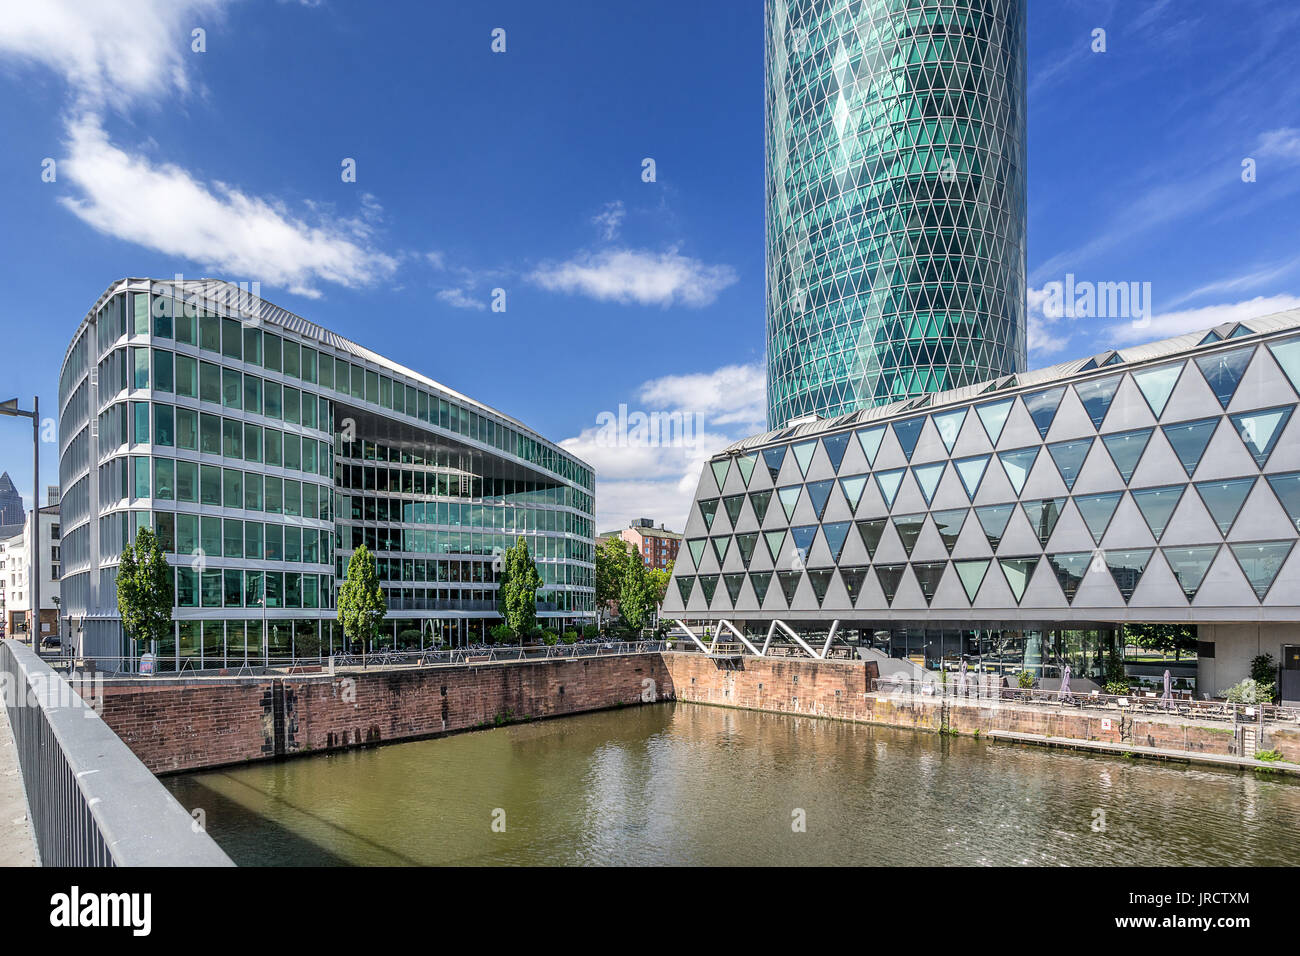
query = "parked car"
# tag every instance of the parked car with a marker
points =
(51, 641)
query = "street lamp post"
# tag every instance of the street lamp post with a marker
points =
(11, 409)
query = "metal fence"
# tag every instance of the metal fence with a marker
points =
(92, 802)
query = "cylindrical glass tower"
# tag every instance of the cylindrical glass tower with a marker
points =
(895, 199)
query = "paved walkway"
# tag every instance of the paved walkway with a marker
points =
(17, 842)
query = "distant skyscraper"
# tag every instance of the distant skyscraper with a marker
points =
(12, 512)
(895, 192)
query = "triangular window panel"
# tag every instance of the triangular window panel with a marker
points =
(1223, 372)
(948, 424)
(803, 453)
(1069, 457)
(720, 469)
(971, 471)
(853, 488)
(853, 578)
(819, 493)
(733, 504)
(871, 529)
(928, 575)
(696, 546)
(888, 482)
(1287, 489)
(1240, 331)
(1223, 499)
(746, 465)
(870, 439)
(774, 541)
(909, 529)
(1261, 561)
(993, 416)
(709, 584)
(993, 519)
(835, 533)
(1018, 463)
(1157, 384)
(803, 539)
(835, 446)
(789, 583)
(759, 500)
(684, 585)
(1043, 515)
(746, 543)
(1287, 355)
(1018, 571)
(1069, 570)
(890, 576)
(971, 574)
(927, 477)
(1097, 396)
(1157, 505)
(1126, 449)
(1190, 566)
(820, 579)
(720, 546)
(734, 582)
(773, 458)
(1190, 439)
(1210, 338)
(908, 432)
(1042, 408)
(789, 496)
(1259, 431)
(759, 580)
(949, 525)
(1097, 510)
(708, 509)
(1127, 567)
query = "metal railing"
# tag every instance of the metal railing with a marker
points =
(1141, 703)
(92, 802)
(454, 657)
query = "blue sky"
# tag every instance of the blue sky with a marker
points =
(522, 171)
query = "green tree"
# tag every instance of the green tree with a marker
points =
(145, 594)
(636, 595)
(659, 578)
(612, 560)
(1162, 637)
(361, 603)
(517, 588)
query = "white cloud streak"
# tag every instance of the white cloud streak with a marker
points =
(641, 277)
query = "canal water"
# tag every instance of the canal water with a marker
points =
(692, 784)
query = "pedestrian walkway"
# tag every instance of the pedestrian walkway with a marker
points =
(17, 842)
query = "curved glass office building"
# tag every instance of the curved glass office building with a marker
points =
(263, 449)
(895, 191)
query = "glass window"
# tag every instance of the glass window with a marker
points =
(233, 493)
(253, 394)
(231, 388)
(187, 481)
(358, 382)
(166, 522)
(274, 495)
(140, 423)
(341, 376)
(289, 350)
(187, 533)
(232, 438)
(164, 427)
(253, 491)
(210, 382)
(164, 478)
(232, 339)
(187, 587)
(209, 332)
(140, 364)
(163, 308)
(271, 399)
(308, 365)
(141, 308)
(292, 405)
(292, 544)
(233, 538)
(292, 449)
(252, 443)
(163, 378)
(210, 529)
(185, 327)
(253, 539)
(187, 378)
(308, 410)
(274, 542)
(234, 587)
(253, 346)
(292, 497)
(210, 434)
(272, 441)
(271, 351)
(326, 373)
(211, 593)
(187, 429)
(210, 485)
(141, 469)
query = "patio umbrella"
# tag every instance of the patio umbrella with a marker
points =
(1168, 691)
(1065, 681)
(961, 677)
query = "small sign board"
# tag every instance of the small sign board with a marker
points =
(146, 663)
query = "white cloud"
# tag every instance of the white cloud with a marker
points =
(635, 478)
(111, 52)
(459, 298)
(610, 219)
(637, 276)
(1043, 335)
(1283, 142)
(1169, 324)
(165, 208)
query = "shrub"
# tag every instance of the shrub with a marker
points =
(1026, 680)
(1118, 688)
(1268, 756)
(1263, 669)
(501, 634)
(550, 638)
(1249, 691)
(590, 631)
(570, 637)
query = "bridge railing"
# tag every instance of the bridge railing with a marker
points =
(92, 802)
